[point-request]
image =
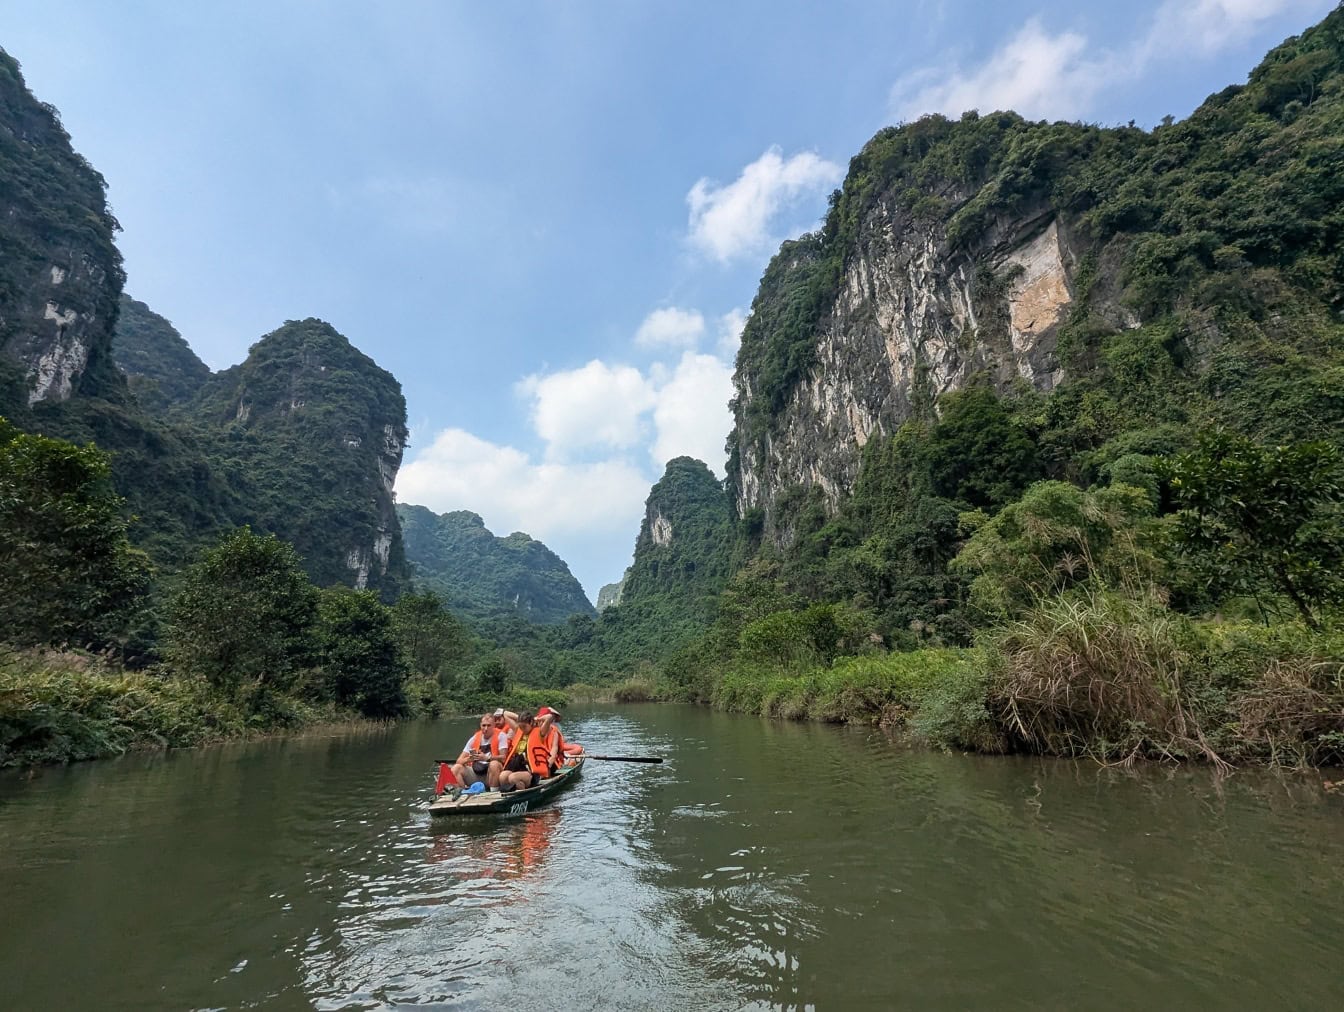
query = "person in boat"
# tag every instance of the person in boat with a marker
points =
(517, 774)
(482, 756)
(545, 745)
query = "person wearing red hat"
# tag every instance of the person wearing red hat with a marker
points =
(545, 746)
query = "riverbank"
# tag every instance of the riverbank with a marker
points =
(67, 706)
(59, 706)
(1104, 677)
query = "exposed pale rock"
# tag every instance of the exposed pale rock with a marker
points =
(661, 530)
(912, 320)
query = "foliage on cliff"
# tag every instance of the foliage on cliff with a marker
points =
(309, 431)
(682, 556)
(159, 364)
(1225, 227)
(56, 234)
(487, 578)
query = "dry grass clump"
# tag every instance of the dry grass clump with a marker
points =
(1100, 674)
(1296, 713)
(635, 690)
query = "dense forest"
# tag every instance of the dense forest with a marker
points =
(1115, 529)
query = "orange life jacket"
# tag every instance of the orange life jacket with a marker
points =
(475, 743)
(539, 750)
(517, 744)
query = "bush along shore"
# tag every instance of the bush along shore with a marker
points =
(1103, 627)
(99, 655)
(1099, 677)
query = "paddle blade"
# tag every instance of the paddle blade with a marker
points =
(628, 758)
(446, 779)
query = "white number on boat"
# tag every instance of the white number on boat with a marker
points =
(519, 808)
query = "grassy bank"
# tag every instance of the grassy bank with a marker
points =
(62, 707)
(1101, 676)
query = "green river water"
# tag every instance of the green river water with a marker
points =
(765, 865)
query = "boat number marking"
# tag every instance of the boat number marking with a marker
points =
(519, 808)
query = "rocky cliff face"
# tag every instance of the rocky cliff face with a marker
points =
(1065, 259)
(312, 431)
(60, 273)
(609, 594)
(914, 318)
(682, 548)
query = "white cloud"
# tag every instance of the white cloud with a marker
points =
(512, 492)
(671, 327)
(1203, 27)
(1045, 75)
(731, 324)
(587, 513)
(597, 405)
(691, 416)
(730, 221)
(1034, 73)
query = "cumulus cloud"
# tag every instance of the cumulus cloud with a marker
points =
(1035, 73)
(1057, 75)
(730, 221)
(691, 416)
(596, 405)
(513, 492)
(671, 327)
(731, 324)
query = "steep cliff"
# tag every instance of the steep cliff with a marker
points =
(610, 593)
(681, 553)
(669, 594)
(60, 272)
(482, 576)
(311, 431)
(1024, 253)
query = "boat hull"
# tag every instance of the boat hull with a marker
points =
(507, 806)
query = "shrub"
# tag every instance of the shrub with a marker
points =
(635, 690)
(1099, 673)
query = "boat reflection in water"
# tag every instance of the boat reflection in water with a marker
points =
(495, 851)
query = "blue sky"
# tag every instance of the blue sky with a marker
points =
(548, 219)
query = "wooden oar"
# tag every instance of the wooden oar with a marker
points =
(626, 758)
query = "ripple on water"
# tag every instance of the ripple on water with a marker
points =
(763, 866)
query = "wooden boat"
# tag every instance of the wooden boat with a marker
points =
(509, 805)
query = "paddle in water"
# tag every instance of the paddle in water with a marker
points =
(628, 758)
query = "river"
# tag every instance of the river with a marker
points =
(764, 865)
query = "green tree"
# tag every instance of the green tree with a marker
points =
(1255, 517)
(67, 571)
(431, 640)
(492, 677)
(976, 454)
(1055, 538)
(244, 615)
(360, 657)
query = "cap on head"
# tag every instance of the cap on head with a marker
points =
(546, 711)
